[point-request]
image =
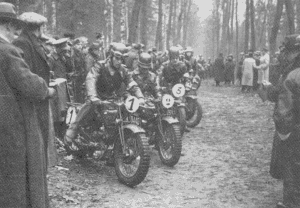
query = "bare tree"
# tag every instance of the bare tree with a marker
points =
(144, 22)
(169, 24)
(252, 14)
(186, 22)
(290, 15)
(247, 21)
(298, 15)
(158, 38)
(275, 28)
(236, 38)
(116, 20)
(133, 25)
(174, 22)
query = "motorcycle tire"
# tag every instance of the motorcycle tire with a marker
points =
(181, 113)
(196, 113)
(174, 144)
(122, 163)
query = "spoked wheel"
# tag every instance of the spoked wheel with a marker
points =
(170, 149)
(182, 119)
(194, 113)
(132, 167)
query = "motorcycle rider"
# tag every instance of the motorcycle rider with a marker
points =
(191, 62)
(172, 71)
(104, 80)
(146, 80)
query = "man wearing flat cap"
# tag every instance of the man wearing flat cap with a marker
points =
(23, 182)
(35, 56)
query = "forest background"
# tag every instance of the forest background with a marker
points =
(231, 26)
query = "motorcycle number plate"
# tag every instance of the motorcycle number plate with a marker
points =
(71, 115)
(167, 101)
(132, 104)
(178, 90)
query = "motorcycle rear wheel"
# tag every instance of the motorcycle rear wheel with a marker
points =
(170, 151)
(132, 170)
(194, 117)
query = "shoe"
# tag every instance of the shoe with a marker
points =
(280, 205)
(187, 130)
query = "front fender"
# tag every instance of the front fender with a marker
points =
(170, 119)
(194, 97)
(134, 128)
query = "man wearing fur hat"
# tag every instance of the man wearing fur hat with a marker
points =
(36, 58)
(23, 172)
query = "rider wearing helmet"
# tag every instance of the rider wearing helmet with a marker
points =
(146, 80)
(105, 80)
(172, 71)
(191, 62)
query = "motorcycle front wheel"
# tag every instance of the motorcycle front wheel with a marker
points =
(194, 113)
(132, 167)
(170, 150)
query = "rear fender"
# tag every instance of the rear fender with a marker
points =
(134, 128)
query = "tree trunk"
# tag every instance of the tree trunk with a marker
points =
(231, 46)
(224, 25)
(262, 32)
(158, 38)
(134, 22)
(53, 17)
(217, 26)
(124, 24)
(111, 21)
(186, 22)
(144, 22)
(298, 15)
(174, 25)
(247, 20)
(252, 15)
(169, 25)
(117, 20)
(290, 15)
(236, 38)
(179, 25)
(275, 28)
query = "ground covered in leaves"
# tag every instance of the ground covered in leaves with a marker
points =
(226, 164)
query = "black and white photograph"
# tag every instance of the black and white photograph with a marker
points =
(149, 104)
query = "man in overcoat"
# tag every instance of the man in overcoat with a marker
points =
(35, 56)
(23, 182)
(285, 160)
(219, 68)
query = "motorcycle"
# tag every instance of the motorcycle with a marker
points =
(162, 128)
(178, 107)
(113, 133)
(194, 110)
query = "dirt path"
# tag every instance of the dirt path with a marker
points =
(226, 164)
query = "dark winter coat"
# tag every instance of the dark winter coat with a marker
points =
(23, 181)
(172, 72)
(37, 60)
(147, 83)
(229, 71)
(219, 68)
(285, 160)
